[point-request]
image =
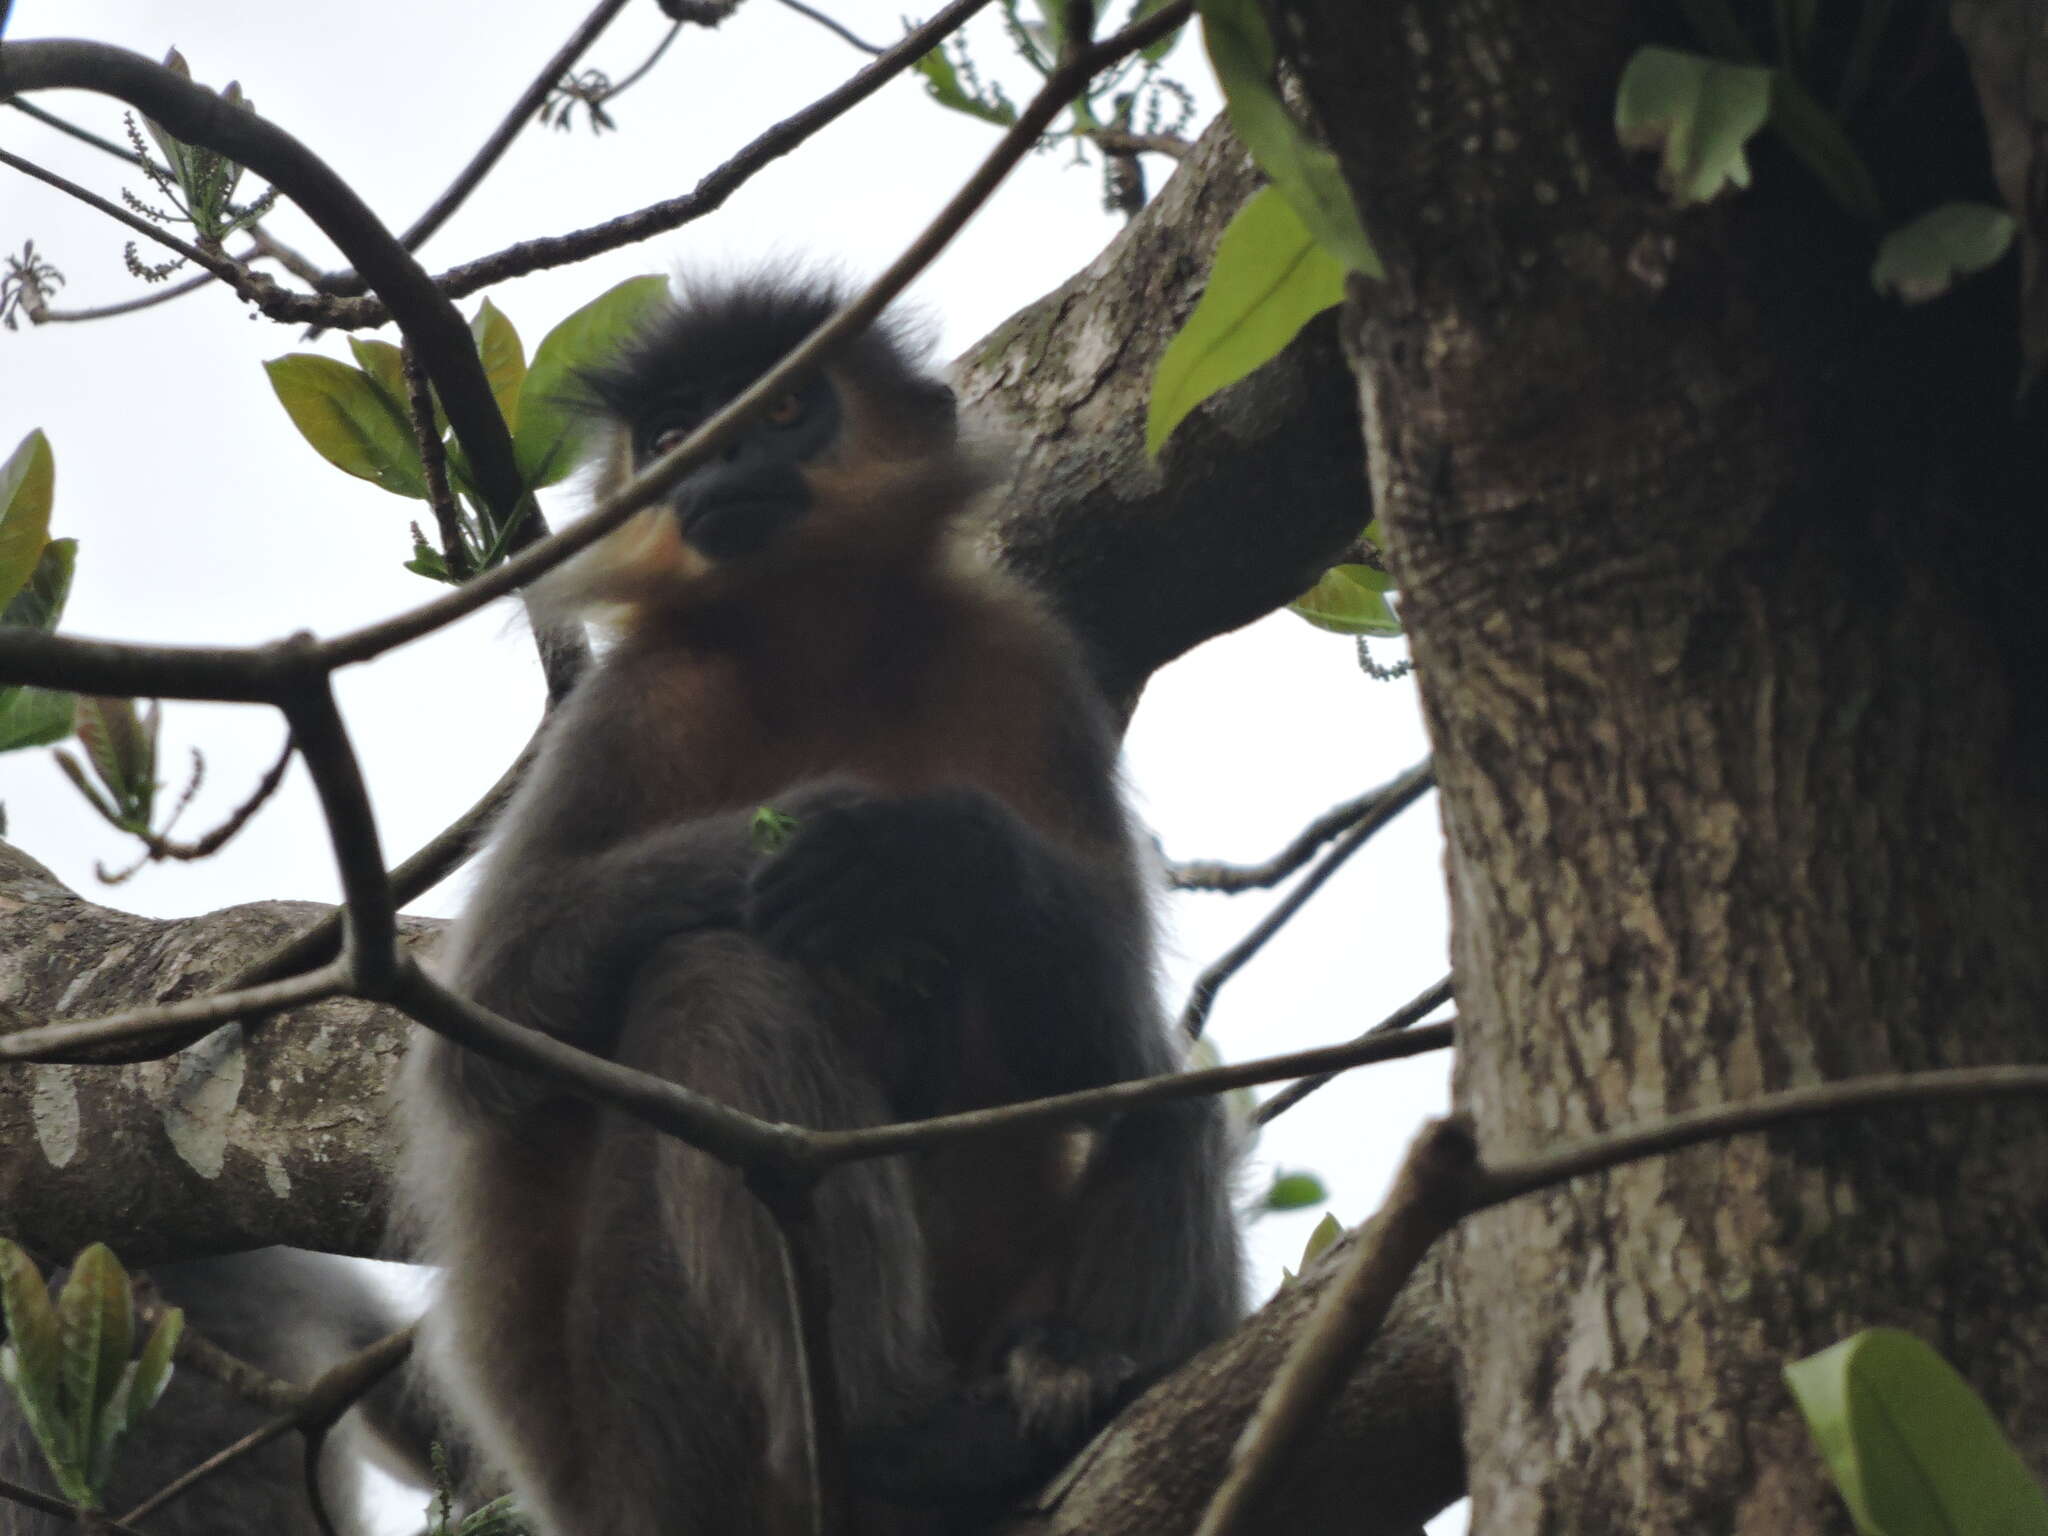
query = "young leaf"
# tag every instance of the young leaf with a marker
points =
(551, 425)
(35, 717)
(153, 1369)
(1698, 113)
(1241, 52)
(942, 84)
(350, 421)
(1327, 1231)
(33, 1348)
(122, 745)
(96, 1320)
(1269, 279)
(1913, 1450)
(1350, 600)
(1818, 138)
(1295, 1192)
(503, 356)
(1923, 259)
(27, 488)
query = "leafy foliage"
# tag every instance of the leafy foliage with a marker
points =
(1351, 600)
(199, 183)
(1924, 259)
(35, 580)
(1698, 113)
(1913, 1450)
(360, 420)
(68, 1361)
(1270, 278)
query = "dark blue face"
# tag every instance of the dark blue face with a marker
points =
(738, 504)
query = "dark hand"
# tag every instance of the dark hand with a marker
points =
(928, 873)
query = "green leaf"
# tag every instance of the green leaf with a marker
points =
(1295, 1192)
(503, 356)
(1698, 113)
(1350, 600)
(1241, 51)
(33, 1344)
(1913, 1450)
(153, 1370)
(350, 420)
(39, 602)
(1269, 279)
(1320, 1241)
(34, 717)
(1823, 145)
(770, 830)
(1923, 259)
(122, 745)
(552, 424)
(28, 483)
(942, 84)
(96, 1319)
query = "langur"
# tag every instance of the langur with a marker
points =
(956, 918)
(292, 1315)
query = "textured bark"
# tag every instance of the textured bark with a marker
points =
(1721, 574)
(282, 1137)
(1384, 1459)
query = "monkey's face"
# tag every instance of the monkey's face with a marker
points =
(754, 492)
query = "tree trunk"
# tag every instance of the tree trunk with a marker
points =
(1720, 571)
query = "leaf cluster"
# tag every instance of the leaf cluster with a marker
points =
(70, 1361)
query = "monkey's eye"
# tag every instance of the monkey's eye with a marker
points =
(787, 410)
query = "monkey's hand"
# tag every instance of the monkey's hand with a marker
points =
(894, 882)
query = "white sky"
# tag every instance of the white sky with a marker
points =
(203, 518)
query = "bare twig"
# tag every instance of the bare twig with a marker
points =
(55, 1506)
(1209, 875)
(87, 136)
(1408, 1013)
(836, 28)
(369, 949)
(163, 847)
(426, 435)
(1121, 141)
(493, 149)
(200, 1014)
(1394, 799)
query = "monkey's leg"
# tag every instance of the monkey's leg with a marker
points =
(684, 1373)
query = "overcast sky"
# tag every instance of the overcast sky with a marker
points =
(203, 518)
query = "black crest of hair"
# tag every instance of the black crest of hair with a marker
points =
(727, 332)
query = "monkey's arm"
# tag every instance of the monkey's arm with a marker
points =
(1051, 946)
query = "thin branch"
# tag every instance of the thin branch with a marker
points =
(830, 1148)
(423, 228)
(54, 1506)
(640, 73)
(1845, 1096)
(128, 306)
(736, 1139)
(316, 1409)
(369, 950)
(1394, 799)
(159, 847)
(201, 1014)
(1210, 875)
(1426, 1202)
(426, 436)
(87, 136)
(218, 266)
(836, 28)
(198, 1353)
(1410, 1012)
(665, 473)
(1121, 141)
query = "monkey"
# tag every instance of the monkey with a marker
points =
(956, 918)
(293, 1315)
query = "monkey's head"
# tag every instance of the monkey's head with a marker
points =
(855, 461)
